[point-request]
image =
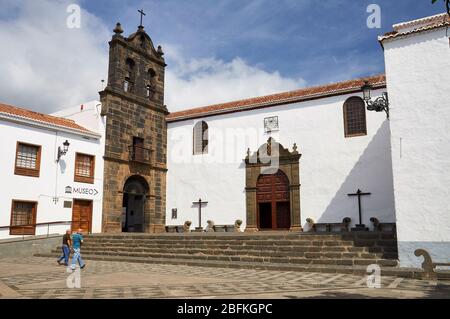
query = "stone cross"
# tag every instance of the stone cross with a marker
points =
(359, 193)
(200, 204)
(142, 15)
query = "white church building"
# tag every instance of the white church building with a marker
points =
(278, 162)
(334, 147)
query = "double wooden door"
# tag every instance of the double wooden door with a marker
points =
(273, 201)
(82, 216)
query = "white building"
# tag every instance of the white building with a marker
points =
(417, 56)
(210, 151)
(38, 189)
(341, 153)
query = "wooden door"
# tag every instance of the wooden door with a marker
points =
(82, 216)
(273, 191)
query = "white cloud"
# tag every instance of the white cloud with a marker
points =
(47, 66)
(199, 82)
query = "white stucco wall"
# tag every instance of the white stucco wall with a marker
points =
(331, 166)
(53, 178)
(418, 78)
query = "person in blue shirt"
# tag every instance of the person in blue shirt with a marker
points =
(77, 240)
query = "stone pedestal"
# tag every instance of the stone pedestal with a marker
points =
(296, 228)
(251, 229)
(359, 228)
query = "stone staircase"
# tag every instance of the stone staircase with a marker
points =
(333, 253)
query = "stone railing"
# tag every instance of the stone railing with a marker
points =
(186, 228)
(378, 226)
(329, 227)
(236, 228)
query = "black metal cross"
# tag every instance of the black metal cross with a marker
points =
(359, 193)
(200, 203)
(142, 15)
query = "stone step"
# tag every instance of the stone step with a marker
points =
(229, 254)
(300, 242)
(247, 258)
(319, 268)
(384, 243)
(219, 246)
(251, 236)
(239, 249)
(216, 236)
(311, 248)
(233, 253)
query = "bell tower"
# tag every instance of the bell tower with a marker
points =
(136, 135)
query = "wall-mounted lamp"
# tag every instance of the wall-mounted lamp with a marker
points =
(380, 104)
(63, 151)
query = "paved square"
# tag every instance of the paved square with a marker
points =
(42, 278)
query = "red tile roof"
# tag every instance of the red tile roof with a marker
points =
(425, 24)
(280, 98)
(39, 117)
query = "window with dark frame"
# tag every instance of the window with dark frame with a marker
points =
(138, 149)
(355, 117)
(23, 218)
(28, 160)
(201, 138)
(84, 168)
(128, 85)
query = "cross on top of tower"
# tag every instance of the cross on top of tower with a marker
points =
(142, 16)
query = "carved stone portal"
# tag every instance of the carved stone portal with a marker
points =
(272, 159)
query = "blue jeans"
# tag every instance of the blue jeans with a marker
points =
(77, 257)
(65, 255)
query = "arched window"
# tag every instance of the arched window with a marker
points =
(151, 83)
(355, 117)
(128, 83)
(201, 138)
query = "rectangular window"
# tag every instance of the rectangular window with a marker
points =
(138, 149)
(23, 218)
(28, 159)
(84, 168)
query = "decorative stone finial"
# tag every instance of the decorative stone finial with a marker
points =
(295, 147)
(118, 29)
(160, 50)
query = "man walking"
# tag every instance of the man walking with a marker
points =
(67, 242)
(77, 240)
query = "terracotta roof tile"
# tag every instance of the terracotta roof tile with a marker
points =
(425, 24)
(277, 99)
(39, 117)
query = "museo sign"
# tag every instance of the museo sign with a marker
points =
(81, 191)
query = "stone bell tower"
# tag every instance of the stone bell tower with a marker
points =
(134, 197)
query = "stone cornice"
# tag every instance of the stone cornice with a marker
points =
(132, 98)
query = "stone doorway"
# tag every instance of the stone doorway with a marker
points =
(272, 193)
(273, 188)
(135, 194)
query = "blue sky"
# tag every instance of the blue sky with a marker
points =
(228, 48)
(315, 40)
